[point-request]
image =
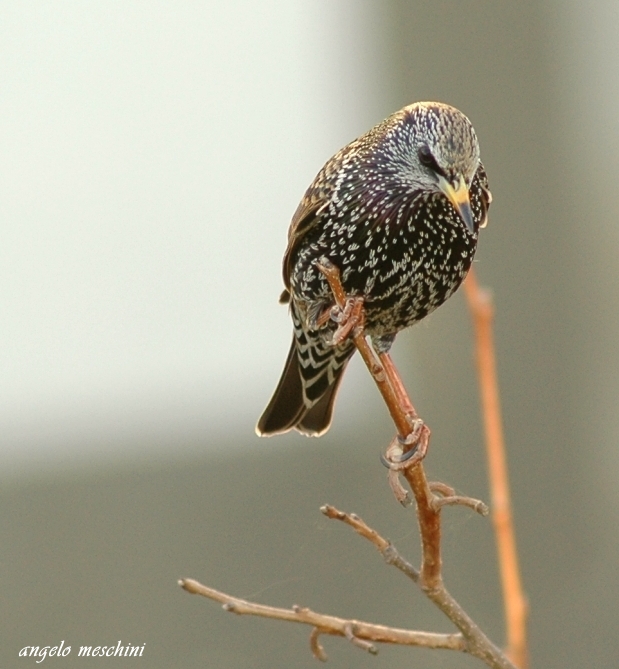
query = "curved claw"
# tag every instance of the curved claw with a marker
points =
(396, 461)
(405, 457)
(384, 462)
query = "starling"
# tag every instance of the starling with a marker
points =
(398, 211)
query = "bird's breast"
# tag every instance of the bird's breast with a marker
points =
(406, 254)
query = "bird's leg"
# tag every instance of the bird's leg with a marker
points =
(413, 445)
(398, 387)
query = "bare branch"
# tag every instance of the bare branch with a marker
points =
(480, 305)
(362, 634)
(476, 642)
(414, 436)
(403, 457)
(386, 548)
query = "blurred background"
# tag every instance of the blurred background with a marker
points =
(152, 155)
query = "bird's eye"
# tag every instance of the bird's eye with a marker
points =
(428, 160)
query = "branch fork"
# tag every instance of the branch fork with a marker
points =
(404, 457)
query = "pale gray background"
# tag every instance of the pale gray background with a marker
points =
(151, 157)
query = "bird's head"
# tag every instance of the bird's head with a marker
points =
(442, 153)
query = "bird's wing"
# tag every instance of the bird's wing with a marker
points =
(305, 218)
(310, 209)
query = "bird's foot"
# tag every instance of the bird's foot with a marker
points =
(348, 318)
(404, 453)
(347, 312)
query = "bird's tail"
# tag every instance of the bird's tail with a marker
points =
(305, 395)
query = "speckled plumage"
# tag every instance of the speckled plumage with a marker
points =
(398, 212)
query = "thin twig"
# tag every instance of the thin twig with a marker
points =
(360, 633)
(476, 643)
(449, 498)
(459, 500)
(385, 548)
(317, 650)
(480, 304)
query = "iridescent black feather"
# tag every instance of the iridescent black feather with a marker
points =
(398, 212)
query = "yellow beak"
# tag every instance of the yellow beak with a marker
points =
(459, 197)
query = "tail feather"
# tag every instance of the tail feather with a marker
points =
(305, 395)
(317, 420)
(287, 405)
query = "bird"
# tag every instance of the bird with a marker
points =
(398, 212)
